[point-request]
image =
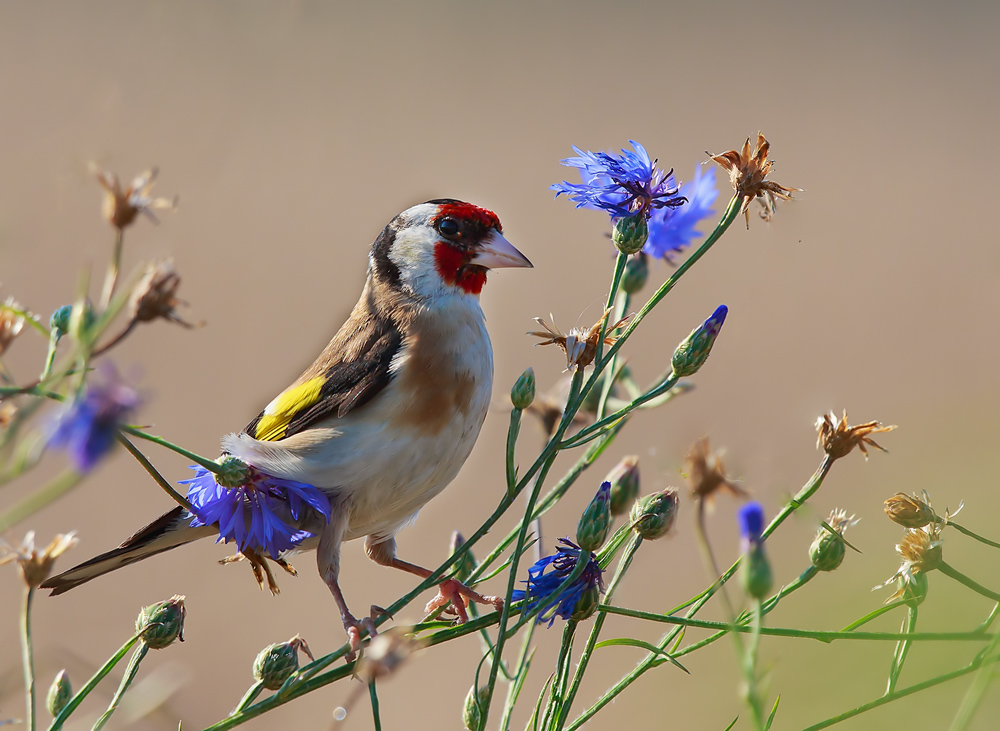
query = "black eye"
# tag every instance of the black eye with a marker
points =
(448, 227)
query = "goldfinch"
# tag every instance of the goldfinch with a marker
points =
(380, 423)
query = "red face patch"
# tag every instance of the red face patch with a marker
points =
(451, 262)
(468, 212)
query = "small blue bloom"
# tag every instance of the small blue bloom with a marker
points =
(87, 428)
(623, 185)
(673, 228)
(260, 515)
(542, 586)
(751, 517)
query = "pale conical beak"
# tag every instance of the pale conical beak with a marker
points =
(496, 252)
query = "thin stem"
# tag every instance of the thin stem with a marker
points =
(373, 694)
(96, 678)
(155, 474)
(28, 657)
(114, 266)
(130, 671)
(961, 578)
(249, 697)
(209, 464)
(909, 626)
(754, 700)
(512, 432)
(616, 281)
(974, 695)
(971, 534)
(520, 673)
(581, 437)
(561, 674)
(50, 356)
(621, 302)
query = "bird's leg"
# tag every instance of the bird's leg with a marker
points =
(328, 560)
(450, 591)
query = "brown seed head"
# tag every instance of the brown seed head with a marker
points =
(35, 567)
(121, 206)
(838, 439)
(580, 345)
(748, 170)
(921, 548)
(706, 474)
(909, 512)
(10, 323)
(155, 296)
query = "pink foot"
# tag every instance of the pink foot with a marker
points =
(457, 595)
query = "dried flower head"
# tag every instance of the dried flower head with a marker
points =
(580, 345)
(838, 439)
(910, 511)
(35, 567)
(121, 206)
(705, 472)
(921, 550)
(748, 170)
(828, 548)
(386, 652)
(8, 411)
(155, 296)
(11, 323)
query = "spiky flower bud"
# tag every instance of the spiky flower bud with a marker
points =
(523, 392)
(235, 472)
(59, 695)
(467, 564)
(756, 573)
(276, 663)
(694, 351)
(909, 512)
(653, 516)
(472, 710)
(595, 523)
(827, 550)
(636, 273)
(161, 623)
(912, 590)
(624, 479)
(630, 233)
(586, 605)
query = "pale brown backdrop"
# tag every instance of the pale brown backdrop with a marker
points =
(293, 132)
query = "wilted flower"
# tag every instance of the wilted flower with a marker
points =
(692, 353)
(672, 229)
(548, 574)
(35, 567)
(706, 474)
(11, 323)
(259, 515)
(827, 550)
(922, 552)
(838, 439)
(653, 516)
(87, 428)
(909, 512)
(595, 523)
(276, 663)
(59, 695)
(161, 623)
(748, 170)
(580, 345)
(623, 185)
(121, 206)
(624, 479)
(155, 296)
(756, 573)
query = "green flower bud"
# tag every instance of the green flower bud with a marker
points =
(636, 273)
(276, 663)
(653, 516)
(586, 605)
(827, 551)
(472, 710)
(59, 322)
(595, 523)
(59, 695)
(235, 472)
(523, 392)
(756, 574)
(912, 592)
(630, 234)
(467, 564)
(624, 479)
(693, 352)
(161, 623)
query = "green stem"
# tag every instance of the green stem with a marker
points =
(561, 674)
(584, 435)
(58, 721)
(902, 650)
(754, 700)
(616, 281)
(249, 697)
(595, 631)
(961, 578)
(974, 695)
(512, 432)
(971, 534)
(130, 672)
(155, 474)
(209, 464)
(114, 267)
(373, 694)
(621, 302)
(50, 356)
(520, 673)
(28, 657)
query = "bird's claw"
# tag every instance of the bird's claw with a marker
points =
(456, 596)
(354, 629)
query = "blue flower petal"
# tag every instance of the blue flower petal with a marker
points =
(672, 229)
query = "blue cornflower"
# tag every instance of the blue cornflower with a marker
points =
(751, 518)
(87, 428)
(542, 586)
(756, 571)
(623, 185)
(673, 228)
(270, 505)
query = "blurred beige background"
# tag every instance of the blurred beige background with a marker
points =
(292, 132)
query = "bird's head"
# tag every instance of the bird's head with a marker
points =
(442, 247)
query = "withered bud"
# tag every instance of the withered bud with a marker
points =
(122, 205)
(580, 345)
(705, 472)
(11, 323)
(921, 548)
(837, 439)
(748, 170)
(909, 512)
(35, 567)
(155, 296)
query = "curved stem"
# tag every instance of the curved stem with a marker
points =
(249, 697)
(209, 464)
(961, 578)
(971, 534)
(28, 657)
(155, 474)
(130, 672)
(75, 701)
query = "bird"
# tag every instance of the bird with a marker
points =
(383, 419)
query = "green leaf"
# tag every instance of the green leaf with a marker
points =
(630, 642)
(770, 719)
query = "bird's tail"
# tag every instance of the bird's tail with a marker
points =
(170, 530)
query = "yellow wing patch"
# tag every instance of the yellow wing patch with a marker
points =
(285, 406)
